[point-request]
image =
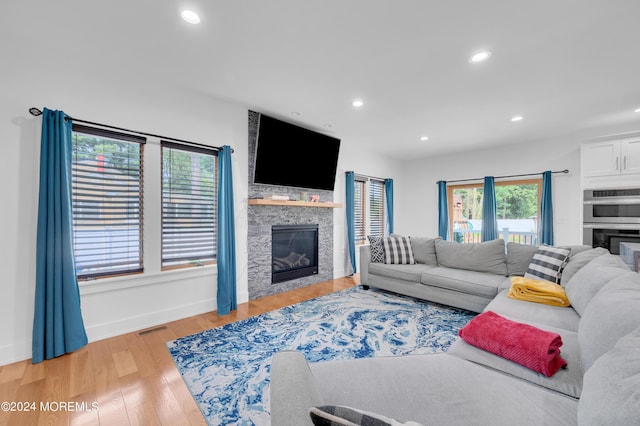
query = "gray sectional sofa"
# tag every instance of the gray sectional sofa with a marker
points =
(468, 386)
(466, 276)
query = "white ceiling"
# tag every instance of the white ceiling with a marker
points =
(570, 67)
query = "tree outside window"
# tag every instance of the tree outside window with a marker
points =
(517, 210)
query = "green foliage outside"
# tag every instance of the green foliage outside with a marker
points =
(120, 156)
(516, 201)
(188, 173)
(512, 201)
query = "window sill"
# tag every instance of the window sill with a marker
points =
(103, 285)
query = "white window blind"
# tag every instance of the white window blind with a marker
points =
(376, 208)
(189, 205)
(107, 172)
(359, 223)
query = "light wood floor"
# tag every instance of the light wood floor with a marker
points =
(131, 377)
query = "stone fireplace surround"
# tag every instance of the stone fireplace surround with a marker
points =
(261, 218)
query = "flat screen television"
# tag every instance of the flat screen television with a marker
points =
(291, 155)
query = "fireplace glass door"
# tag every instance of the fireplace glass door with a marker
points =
(294, 252)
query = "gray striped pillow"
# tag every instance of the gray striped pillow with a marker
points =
(397, 250)
(548, 263)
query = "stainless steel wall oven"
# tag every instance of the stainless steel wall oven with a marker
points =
(611, 216)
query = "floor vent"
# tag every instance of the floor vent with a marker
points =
(152, 330)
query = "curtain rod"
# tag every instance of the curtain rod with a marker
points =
(37, 112)
(506, 176)
(367, 176)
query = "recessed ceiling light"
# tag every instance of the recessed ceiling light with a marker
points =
(424, 138)
(637, 110)
(480, 56)
(357, 103)
(295, 113)
(517, 118)
(190, 16)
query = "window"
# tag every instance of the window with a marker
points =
(189, 205)
(369, 211)
(517, 210)
(107, 173)
(359, 222)
(376, 208)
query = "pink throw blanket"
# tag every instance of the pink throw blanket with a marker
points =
(529, 346)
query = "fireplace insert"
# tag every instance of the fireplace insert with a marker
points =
(294, 252)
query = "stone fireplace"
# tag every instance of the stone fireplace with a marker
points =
(262, 219)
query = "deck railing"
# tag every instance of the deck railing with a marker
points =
(473, 236)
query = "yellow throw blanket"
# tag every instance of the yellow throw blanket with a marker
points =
(538, 291)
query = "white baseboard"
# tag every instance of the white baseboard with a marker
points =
(15, 352)
(130, 324)
(22, 350)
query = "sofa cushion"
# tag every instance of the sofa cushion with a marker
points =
(577, 248)
(519, 257)
(424, 250)
(487, 257)
(531, 313)
(578, 261)
(397, 250)
(591, 278)
(411, 273)
(470, 282)
(547, 263)
(377, 252)
(612, 313)
(338, 415)
(293, 389)
(439, 389)
(611, 389)
(567, 380)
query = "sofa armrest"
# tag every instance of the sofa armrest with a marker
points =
(293, 390)
(365, 260)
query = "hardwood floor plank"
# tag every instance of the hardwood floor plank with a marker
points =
(12, 372)
(145, 364)
(112, 410)
(30, 394)
(81, 377)
(131, 378)
(124, 362)
(86, 410)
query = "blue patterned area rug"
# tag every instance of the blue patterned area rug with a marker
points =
(227, 368)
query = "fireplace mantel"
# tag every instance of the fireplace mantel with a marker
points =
(289, 203)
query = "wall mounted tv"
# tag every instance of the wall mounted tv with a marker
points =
(291, 155)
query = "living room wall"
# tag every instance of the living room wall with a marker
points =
(422, 217)
(115, 305)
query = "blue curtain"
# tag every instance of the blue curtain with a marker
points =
(226, 243)
(546, 211)
(443, 210)
(388, 192)
(58, 327)
(489, 218)
(350, 189)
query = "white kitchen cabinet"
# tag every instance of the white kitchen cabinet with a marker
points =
(630, 154)
(611, 157)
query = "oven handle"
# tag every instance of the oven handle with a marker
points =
(620, 201)
(629, 226)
